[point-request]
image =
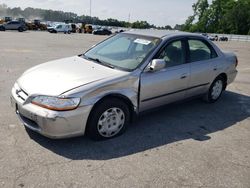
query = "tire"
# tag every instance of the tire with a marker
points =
(20, 29)
(215, 90)
(108, 119)
(2, 28)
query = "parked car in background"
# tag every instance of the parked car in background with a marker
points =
(13, 25)
(102, 31)
(120, 31)
(223, 38)
(64, 28)
(213, 38)
(87, 28)
(100, 91)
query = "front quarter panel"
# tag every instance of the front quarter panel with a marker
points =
(126, 86)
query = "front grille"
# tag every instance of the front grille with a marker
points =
(28, 121)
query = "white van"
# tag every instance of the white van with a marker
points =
(65, 28)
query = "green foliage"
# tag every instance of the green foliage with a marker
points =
(222, 16)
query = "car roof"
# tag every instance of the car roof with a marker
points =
(159, 33)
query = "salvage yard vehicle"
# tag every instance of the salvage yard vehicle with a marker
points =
(102, 31)
(13, 25)
(223, 38)
(87, 28)
(64, 28)
(101, 91)
(5, 20)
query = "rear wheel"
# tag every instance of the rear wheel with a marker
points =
(109, 119)
(20, 29)
(215, 90)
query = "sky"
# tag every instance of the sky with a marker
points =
(157, 12)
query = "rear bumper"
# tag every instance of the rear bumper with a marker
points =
(231, 76)
(52, 124)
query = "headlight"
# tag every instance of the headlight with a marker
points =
(56, 103)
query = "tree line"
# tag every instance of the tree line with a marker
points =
(221, 16)
(60, 16)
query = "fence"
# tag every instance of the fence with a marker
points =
(244, 38)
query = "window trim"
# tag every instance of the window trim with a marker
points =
(213, 51)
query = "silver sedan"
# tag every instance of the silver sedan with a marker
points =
(99, 92)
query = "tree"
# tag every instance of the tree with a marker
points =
(200, 8)
(222, 16)
(141, 25)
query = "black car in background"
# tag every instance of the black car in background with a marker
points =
(223, 38)
(102, 32)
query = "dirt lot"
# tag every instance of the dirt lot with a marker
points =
(191, 144)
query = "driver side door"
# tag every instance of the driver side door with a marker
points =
(168, 84)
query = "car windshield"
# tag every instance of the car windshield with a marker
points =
(124, 51)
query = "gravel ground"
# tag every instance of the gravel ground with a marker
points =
(191, 144)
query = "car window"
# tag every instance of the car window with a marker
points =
(200, 51)
(121, 50)
(59, 27)
(173, 54)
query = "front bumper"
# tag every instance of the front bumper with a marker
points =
(52, 124)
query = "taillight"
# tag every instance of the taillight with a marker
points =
(236, 62)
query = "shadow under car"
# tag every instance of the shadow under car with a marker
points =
(175, 122)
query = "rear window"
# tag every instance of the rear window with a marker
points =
(200, 50)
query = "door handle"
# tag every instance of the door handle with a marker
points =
(215, 68)
(183, 76)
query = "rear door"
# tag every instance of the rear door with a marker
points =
(16, 25)
(170, 83)
(203, 66)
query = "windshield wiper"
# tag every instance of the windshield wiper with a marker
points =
(99, 61)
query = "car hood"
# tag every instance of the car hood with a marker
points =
(56, 77)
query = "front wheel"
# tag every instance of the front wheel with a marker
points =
(109, 119)
(2, 28)
(215, 90)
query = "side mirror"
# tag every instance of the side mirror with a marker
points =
(157, 64)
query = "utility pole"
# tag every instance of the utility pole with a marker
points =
(90, 7)
(129, 18)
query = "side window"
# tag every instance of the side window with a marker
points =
(59, 27)
(200, 51)
(173, 54)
